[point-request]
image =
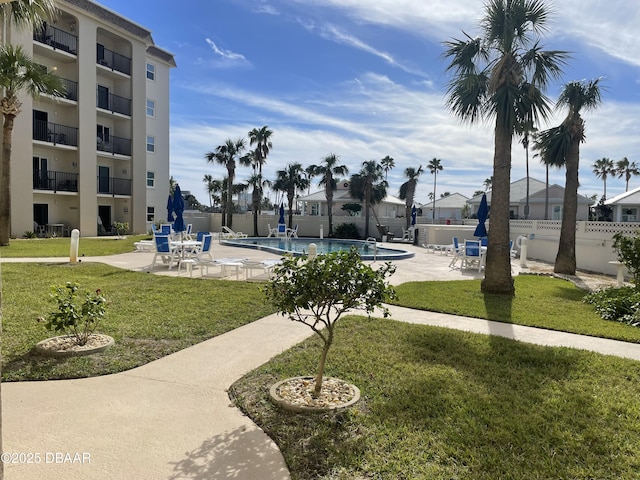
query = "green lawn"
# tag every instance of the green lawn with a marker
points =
(149, 316)
(540, 301)
(442, 404)
(60, 247)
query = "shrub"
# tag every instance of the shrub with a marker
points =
(30, 234)
(72, 317)
(628, 250)
(617, 304)
(346, 230)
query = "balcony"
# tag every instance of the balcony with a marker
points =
(71, 89)
(55, 181)
(114, 186)
(54, 133)
(113, 103)
(112, 60)
(57, 39)
(114, 145)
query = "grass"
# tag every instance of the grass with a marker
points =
(59, 247)
(442, 404)
(540, 301)
(150, 316)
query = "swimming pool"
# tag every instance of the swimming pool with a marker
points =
(300, 246)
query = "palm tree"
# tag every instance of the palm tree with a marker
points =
(387, 164)
(257, 184)
(288, 180)
(408, 190)
(434, 166)
(310, 173)
(560, 146)
(18, 72)
(602, 168)
(261, 137)
(501, 76)
(250, 159)
(209, 185)
(327, 172)
(225, 155)
(368, 186)
(627, 170)
(525, 130)
(487, 184)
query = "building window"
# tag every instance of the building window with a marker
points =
(151, 214)
(629, 215)
(151, 144)
(315, 209)
(151, 71)
(151, 108)
(557, 212)
(151, 179)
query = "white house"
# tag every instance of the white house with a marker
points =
(446, 208)
(626, 206)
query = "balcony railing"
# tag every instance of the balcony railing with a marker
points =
(71, 89)
(54, 133)
(115, 145)
(55, 181)
(114, 186)
(114, 61)
(57, 39)
(113, 103)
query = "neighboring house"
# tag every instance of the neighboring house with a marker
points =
(87, 149)
(626, 206)
(537, 200)
(446, 208)
(316, 203)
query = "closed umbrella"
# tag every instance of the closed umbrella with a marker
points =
(178, 209)
(281, 219)
(170, 209)
(414, 216)
(483, 213)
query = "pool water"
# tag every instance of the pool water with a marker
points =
(300, 246)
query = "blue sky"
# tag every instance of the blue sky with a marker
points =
(365, 78)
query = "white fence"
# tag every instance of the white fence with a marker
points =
(594, 240)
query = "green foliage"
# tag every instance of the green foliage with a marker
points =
(617, 304)
(352, 208)
(30, 234)
(346, 230)
(316, 292)
(121, 227)
(79, 320)
(628, 250)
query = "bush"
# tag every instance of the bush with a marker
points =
(617, 304)
(30, 234)
(346, 230)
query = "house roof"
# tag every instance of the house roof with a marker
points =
(518, 193)
(342, 196)
(632, 197)
(455, 200)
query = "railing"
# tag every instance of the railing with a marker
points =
(114, 186)
(54, 133)
(114, 61)
(115, 145)
(113, 103)
(71, 89)
(57, 39)
(55, 181)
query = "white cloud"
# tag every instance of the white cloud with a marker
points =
(226, 56)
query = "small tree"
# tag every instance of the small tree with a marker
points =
(628, 250)
(317, 292)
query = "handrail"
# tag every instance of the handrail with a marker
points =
(372, 241)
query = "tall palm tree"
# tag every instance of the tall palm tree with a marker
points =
(310, 173)
(408, 190)
(18, 73)
(434, 166)
(289, 180)
(369, 186)
(209, 185)
(525, 130)
(560, 146)
(387, 164)
(488, 182)
(501, 76)
(627, 170)
(327, 172)
(250, 159)
(261, 138)
(225, 155)
(602, 168)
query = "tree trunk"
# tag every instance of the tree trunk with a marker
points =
(329, 195)
(498, 279)
(230, 175)
(323, 359)
(5, 181)
(256, 206)
(566, 256)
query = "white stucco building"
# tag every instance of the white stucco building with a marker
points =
(103, 150)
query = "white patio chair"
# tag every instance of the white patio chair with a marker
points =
(164, 250)
(472, 255)
(293, 232)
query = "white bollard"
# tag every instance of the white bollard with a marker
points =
(321, 232)
(75, 239)
(523, 253)
(313, 250)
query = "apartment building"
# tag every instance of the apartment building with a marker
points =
(100, 154)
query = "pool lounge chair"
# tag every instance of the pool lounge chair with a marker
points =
(293, 232)
(272, 231)
(228, 233)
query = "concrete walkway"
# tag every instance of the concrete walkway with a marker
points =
(172, 418)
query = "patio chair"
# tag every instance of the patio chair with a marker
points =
(228, 233)
(407, 234)
(272, 231)
(164, 250)
(166, 229)
(266, 266)
(457, 251)
(188, 233)
(472, 255)
(293, 232)
(282, 230)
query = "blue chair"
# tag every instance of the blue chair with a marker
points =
(164, 250)
(282, 230)
(199, 235)
(456, 249)
(484, 241)
(472, 255)
(165, 229)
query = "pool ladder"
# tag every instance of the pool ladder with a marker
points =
(374, 242)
